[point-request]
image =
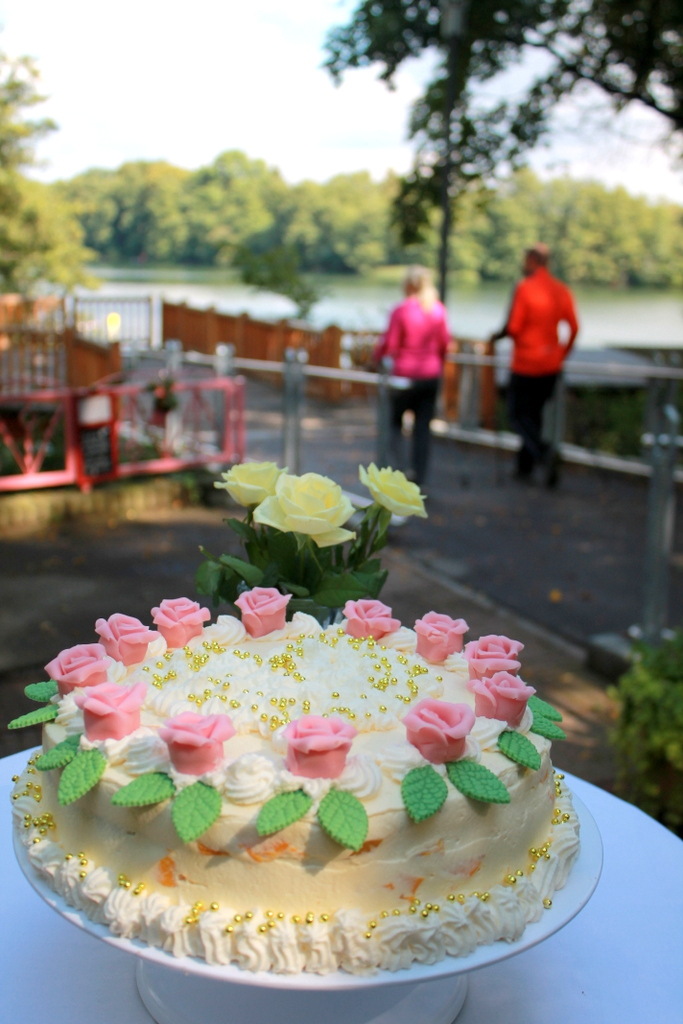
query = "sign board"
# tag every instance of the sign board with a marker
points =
(96, 450)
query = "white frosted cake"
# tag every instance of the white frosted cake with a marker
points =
(297, 798)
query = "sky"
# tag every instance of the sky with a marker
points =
(178, 81)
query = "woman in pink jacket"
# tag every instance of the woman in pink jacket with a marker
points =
(416, 340)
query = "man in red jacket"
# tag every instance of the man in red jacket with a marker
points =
(539, 304)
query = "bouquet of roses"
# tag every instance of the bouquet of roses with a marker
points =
(295, 538)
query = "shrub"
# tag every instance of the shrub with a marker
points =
(648, 736)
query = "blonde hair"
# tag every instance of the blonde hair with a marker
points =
(418, 282)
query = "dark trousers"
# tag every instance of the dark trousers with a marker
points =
(526, 397)
(420, 398)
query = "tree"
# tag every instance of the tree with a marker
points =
(277, 270)
(39, 238)
(630, 49)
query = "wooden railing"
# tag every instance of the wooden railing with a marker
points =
(32, 359)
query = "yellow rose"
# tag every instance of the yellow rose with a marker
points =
(391, 489)
(310, 504)
(250, 483)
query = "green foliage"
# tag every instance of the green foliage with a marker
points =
(60, 754)
(520, 749)
(631, 50)
(277, 270)
(344, 819)
(477, 782)
(153, 788)
(318, 578)
(44, 714)
(423, 792)
(648, 736)
(80, 775)
(194, 810)
(282, 810)
(541, 707)
(41, 692)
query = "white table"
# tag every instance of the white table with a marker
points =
(619, 962)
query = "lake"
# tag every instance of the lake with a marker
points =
(608, 317)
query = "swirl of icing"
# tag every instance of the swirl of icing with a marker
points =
(249, 950)
(116, 671)
(397, 760)
(178, 938)
(285, 955)
(457, 664)
(486, 732)
(227, 631)
(146, 752)
(402, 639)
(70, 717)
(361, 776)
(153, 906)
(315, 942)
(46, 857)
(95, 888)
(157, 647)
(315, 788)
(122, 912)
(249, 780)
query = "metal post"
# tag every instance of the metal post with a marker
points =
(384, 414)
(173, 351)
(294, 389)
(224, 360)
(660, 512)
(554, 418)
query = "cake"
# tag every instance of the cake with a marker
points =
(284, 797)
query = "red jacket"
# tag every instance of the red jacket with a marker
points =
(539, 304)
(416, 340)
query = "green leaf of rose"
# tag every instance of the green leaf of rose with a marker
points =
(424, 792)
(282, 810)
(44, 714)
(207, 578)
(544, 727)
(80, 775)
(251, 574)
(153, 788)
(520, 749)
(541, 707)
(60, 754)
(477, 782)
(194, 810)
(344, 819)
(336, 589)
(41, 692)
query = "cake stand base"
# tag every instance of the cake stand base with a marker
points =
(176, 997)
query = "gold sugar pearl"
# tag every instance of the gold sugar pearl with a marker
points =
(229, 929)
(368, 935)
(309, 918)
(262, 928)
(213, 906)
(547, 904)
(451, 896)
(248, 915)
(296, 919)
(82, 874)
(237, 918)
(324, 917)
(280, 916)
(372, 924)
(396, 913)
(425, 912)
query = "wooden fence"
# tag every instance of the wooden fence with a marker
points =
(468, 393)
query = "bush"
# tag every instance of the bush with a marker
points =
(648, 736)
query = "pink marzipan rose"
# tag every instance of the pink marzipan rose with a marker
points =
(195, 742)
(263, 610)
(82, 665)
(438, 636)
(369, 618)
(179, 619)
(502, 696)
(111, 712)
(125, 638)
(439, 729)
(490, 654)
(317, 747)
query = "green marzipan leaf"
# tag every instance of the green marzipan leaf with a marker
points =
(45, 714)
(147, 789)
(541, 707)
(283, 810)
(194, 810)
(60, 754)
(41, 692)
(80, 775)
(477, 782)
(518, 748)
(344, 819)
(544, 727)
(424, 792)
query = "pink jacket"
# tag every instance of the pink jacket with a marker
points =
(416, 340)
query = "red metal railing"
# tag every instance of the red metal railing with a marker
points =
(112, 431)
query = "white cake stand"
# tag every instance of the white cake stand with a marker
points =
(185, 990)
